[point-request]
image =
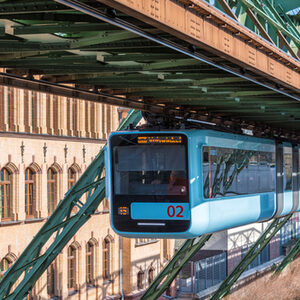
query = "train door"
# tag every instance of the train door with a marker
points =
(296, 176)
(290, 178)
(287, 184)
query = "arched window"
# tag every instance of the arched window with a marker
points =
(29, 193)
(4, 265)
(90, 259)
(52, 190)
(140, 280)
(51, 273)
(5, 194)
(150, 275)
(71, 177)
(106, 258)
(71, 268)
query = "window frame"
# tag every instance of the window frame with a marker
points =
(150, 276)
(90, 264)
(140, 280)
(71, 261)
(52, 203)
(106, 259)
(30, 184)
(51, 279)
(6, 199)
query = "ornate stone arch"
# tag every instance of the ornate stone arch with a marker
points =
(11, 257)
(76, 245)
(75, 167)
(35, 168)
(110, 238)
(93, 241)
(6, 262)
(56, 167)
(11, 168)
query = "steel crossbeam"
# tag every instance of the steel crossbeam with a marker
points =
(169, 273)
(62, 225)
(289, 257)
(253, 252)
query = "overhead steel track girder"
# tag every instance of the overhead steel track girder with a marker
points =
(62, 225)
(252, 253)
(271, 20)
(172, 269)
(77, 5)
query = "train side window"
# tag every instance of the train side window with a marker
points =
(287, 163)
(229, 172)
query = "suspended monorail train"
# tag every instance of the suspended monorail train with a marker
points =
(185, 183)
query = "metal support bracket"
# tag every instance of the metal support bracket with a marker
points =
(62, 225)
(171, 270)
(253, 252)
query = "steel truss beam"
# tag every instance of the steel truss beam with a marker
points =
(100, 15)
(289, 258)
(171, 270)
(253, 252)
(62, 225)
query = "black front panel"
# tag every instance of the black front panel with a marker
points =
(150, 169)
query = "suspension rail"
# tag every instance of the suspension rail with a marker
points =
(60, 224)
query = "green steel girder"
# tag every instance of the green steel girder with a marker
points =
(92, 68)
(289, 257)
(13, 7)
(13, 45)
(140, 57)
(271, 20)
(63, 27)
(142, 85)
(49, 60)
(95, 78)
(61, 225)
(253, 252)
(48, 17)
(195, 91)
(102, 38)
(271, 16)
(287, 5)
(172, 269)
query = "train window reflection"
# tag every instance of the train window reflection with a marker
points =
(229, 172)
(287, 159)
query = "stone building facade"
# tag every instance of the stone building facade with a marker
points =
(47, 142)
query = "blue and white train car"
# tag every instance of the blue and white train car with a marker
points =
(182, 184)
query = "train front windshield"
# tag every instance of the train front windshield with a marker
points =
(150, 182)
